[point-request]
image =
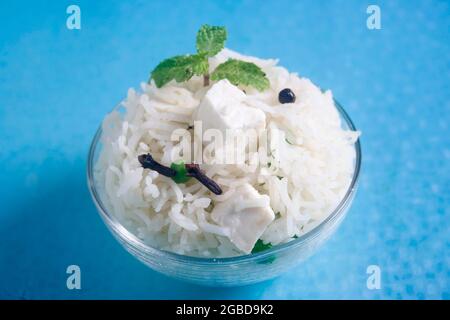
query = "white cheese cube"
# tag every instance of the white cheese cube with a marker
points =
(245, 215)
(222, 108)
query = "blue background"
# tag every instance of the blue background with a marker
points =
(57, 84)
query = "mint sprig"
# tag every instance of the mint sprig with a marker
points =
(179, 68)
(210, 41)
(241, 73)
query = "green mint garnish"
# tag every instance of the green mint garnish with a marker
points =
(210, 40)
(241, 73)
(180, 68)
(180, 168)
(261, 246)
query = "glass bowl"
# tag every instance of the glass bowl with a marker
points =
(233, 271)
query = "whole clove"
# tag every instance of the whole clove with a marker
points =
(191, 170)
(148, 162)
(194, 171)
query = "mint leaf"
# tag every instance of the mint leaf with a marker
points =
(200, 66)
(241, 73)
(210, 40)
(180, 68)
(180, 168)
(261, 246)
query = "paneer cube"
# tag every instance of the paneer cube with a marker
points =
(222, 109)
(245, 215)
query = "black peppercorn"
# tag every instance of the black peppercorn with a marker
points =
(286, 96)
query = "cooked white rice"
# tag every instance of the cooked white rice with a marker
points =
(316, 167)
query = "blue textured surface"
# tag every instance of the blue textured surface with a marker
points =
(56, 85)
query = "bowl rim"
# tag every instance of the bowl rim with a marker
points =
(133, 240)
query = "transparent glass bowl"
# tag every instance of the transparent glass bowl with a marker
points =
(234, 271)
